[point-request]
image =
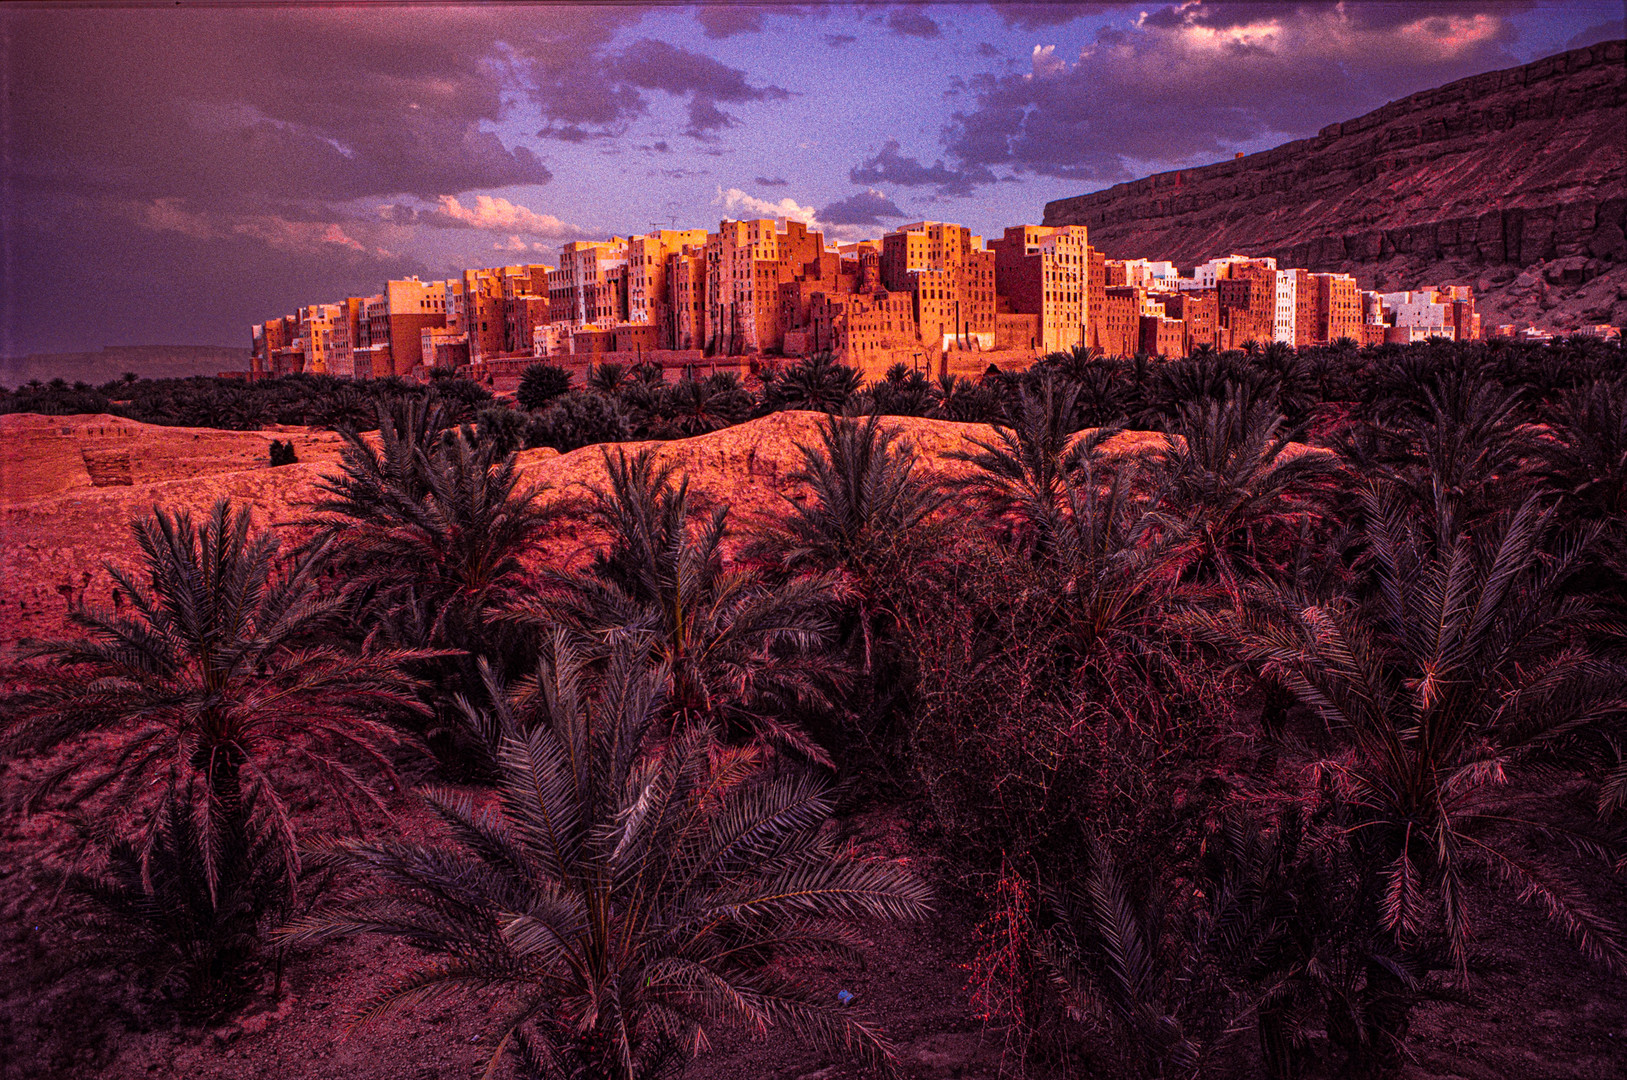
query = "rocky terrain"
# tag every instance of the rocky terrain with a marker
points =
(1512, 181)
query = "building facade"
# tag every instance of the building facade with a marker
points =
(1044, 271)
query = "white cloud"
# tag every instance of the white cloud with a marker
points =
(1046, 62)
(737, 202)
(500, 215)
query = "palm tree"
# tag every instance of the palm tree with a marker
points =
(870, 522)
(1469, 663)
(630, 893)
(694, 406)
(1239, 498)
(541, 383)
(499, 428)
(641, 395)
(1095, 530)
(210, 694)
(868, 499)
(736, 648)
(375, 480)
(1587, 461)
(606, 378)
(902, 392)
(1110, 963)
(582, 419)
(816, 382)
(1021, 472)
(963, 400)
(447, 534)
(427, 551)
(1104, 397)
(153, 909)
(1470, 442)
(1118, 573)
(1291, 379)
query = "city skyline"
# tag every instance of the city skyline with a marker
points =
(195, 171)
(930, 297)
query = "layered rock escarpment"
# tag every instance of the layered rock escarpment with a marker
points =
(1478, 180)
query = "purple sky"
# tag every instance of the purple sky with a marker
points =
(172, 175)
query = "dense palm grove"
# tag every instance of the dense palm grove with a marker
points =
(1237, 738)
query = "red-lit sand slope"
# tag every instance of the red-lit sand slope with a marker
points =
(57, 528)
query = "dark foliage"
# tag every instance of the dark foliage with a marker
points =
(501, 429)
(579, 419)
(222, 685)
(631, 892)
(902, 392)
(427, 535)
(1470, 660)
(282, 453)
(872, 524)
(1240, 728)
(695, 406)
(310, 400)
(817, 382)
(540, 384)
(153, 912)
(741, 652)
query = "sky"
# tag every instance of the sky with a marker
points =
(174, 173)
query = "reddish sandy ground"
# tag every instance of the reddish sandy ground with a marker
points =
(1540, 1011)
(57, 530)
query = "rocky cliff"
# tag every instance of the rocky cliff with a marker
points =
(1513, 181)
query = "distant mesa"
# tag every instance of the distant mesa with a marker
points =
(107, 364)
(1479, 180)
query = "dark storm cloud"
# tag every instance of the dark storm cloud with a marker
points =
(721, 20)
(1034, 16)
(290, 134)
(399, 214)
(836, 41)
(568, 133)
(1247, 71)
(705, 118)
(865, 208)
(911, 23)
(218, 105)
(891, 166)
(726, 20)
(243, 281)
(657, 65)
(254, 102)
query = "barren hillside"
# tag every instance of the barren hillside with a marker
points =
(1512, 181)
(57, 529)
